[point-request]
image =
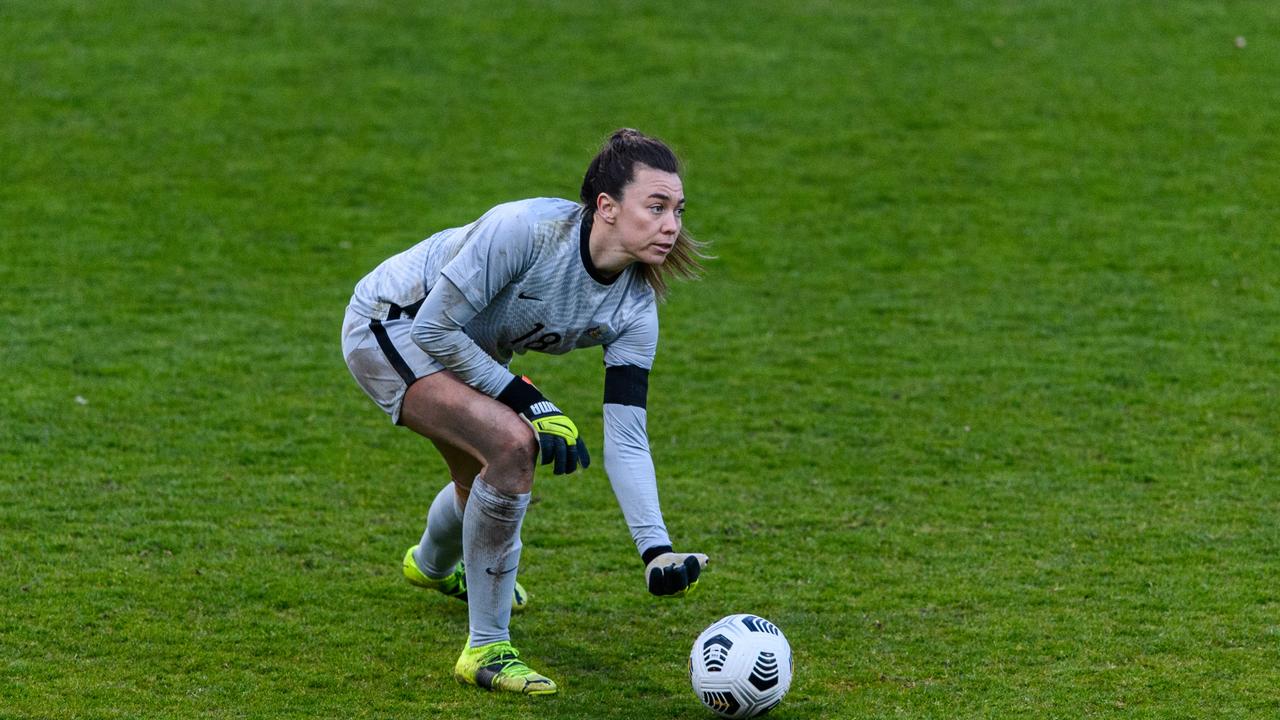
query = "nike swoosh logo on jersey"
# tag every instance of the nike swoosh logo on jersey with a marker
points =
(522, 296)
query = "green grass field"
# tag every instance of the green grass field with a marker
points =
(978, 402)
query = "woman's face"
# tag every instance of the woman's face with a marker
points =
(650, 214)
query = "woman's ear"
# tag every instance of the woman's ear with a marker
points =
(606, 208)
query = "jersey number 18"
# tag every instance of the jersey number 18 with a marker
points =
(542, 342)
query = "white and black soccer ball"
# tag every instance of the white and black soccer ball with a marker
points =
(740, 666)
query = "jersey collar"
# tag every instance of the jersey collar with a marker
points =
(584, 248)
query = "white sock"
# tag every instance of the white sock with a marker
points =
(441, 545)
(491, 548)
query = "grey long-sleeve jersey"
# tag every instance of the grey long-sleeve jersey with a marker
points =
(518, 279)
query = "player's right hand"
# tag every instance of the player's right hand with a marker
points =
(674, 574)
(557, 435)
(558, 438)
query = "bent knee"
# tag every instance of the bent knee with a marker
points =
(514, 448)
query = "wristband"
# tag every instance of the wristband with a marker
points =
(648, 555)
(520, 395)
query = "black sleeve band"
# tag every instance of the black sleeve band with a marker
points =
(654, 552)
(519, 395)
(626, 385)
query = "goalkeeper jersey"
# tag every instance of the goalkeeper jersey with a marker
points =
(519, 279)
(525, 274)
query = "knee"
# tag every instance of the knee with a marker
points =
(515, 449)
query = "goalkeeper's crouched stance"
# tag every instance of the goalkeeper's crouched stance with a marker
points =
(429, 335)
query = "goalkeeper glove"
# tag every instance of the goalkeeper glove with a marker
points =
(674, 574)
(557, 435)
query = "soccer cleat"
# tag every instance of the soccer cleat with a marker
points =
(497, 666)
(454, 584)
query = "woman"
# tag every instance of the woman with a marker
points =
(429, 333)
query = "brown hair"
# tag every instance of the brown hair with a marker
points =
(612, 169)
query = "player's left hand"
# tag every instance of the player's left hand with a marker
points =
(674, 574)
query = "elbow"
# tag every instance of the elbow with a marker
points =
(425, 336)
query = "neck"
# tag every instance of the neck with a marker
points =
(606, 252)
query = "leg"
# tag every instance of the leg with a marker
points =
(472, 429)
(440, 549)
(434, 562)
(463, 468)
(454, 415)
(447, 411)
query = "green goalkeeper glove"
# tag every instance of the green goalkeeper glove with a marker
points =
(557, 435)
(674, 574)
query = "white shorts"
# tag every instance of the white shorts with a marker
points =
(384, 359)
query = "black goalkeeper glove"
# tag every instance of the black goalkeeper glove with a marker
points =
(674, 574)
(557, 435)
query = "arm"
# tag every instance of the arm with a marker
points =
(498, 248)
(630, 466)
(627, 460)
(438, 329)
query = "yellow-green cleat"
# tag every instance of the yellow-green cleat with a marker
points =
(497, 666)
(455, 584)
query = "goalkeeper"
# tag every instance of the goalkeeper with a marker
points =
(429, 335)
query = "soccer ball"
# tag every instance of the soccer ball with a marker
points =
(740, 666)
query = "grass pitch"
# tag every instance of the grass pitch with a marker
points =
(978, 402)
